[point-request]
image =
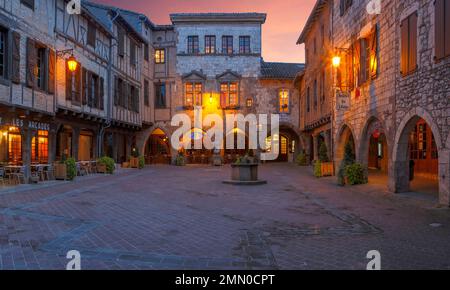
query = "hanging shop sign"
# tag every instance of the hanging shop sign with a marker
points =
(343, 100)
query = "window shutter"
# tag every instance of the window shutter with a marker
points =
(350, 72)
(51, 71)
(115, 91)
(440, 28)
(357, 60)
(31, 63)
(15, 66)
(91, 34)
(447, 27)
(84, 87)
(374, 53)
(121, 41)
(404, 27)
(68, 83)
(89, 89)
(102, 94)
(77, 75)
(412, 42)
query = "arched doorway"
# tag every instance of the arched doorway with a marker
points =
(374, 152)
(86, 145)
(288, 144)
(416, 157)
(344, 137)
(64, 142)
(157, 149)
(193, 155)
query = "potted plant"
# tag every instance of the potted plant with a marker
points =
(349, 159)
(301, 159)
(141, 162)
(180, 160)
(66, 169)
(326, 167)
(106, 165)
(244, 170)
(134, 159)
(356, 174)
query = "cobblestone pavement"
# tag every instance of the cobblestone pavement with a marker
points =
(184, 218)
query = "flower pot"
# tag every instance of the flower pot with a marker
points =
(134, 162)
(60, 171)
(126, 165)
(101, 168)
(327, 169)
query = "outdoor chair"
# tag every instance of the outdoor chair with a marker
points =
(18, 177)
(50, 172)
(2, 176)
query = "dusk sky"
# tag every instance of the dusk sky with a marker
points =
(285, 19)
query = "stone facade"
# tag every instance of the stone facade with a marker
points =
(383, 101)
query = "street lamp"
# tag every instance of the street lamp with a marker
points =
(336, 61)
(72, 63)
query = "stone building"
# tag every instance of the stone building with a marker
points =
(218, 68)
(27, 88)
(391, 91)
(81, 96)
(125, 117)
(315, 83)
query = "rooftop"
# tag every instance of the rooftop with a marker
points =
(320, 4)
(279, 70)
(219, 17)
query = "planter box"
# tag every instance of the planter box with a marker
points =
(101, 168)
(134, 162)
(244, 172)
(327, 169)
(60, 171)
(126, 165)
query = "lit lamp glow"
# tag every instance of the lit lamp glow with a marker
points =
(336, 61)
(210, 99)
(72, 63)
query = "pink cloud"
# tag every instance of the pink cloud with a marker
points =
(285, 19)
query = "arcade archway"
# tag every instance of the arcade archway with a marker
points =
(157, 148)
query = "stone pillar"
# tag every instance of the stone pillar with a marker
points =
(316, 147)
(129, 140)
(95, 143)
(75, 142)
(52, 143)
(399, 176)
(328, 143)
(26, 152)
(115, 147)
(444, 178)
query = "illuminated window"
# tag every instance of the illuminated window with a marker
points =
(39, 149)
(193, 94)
(210, 44)
(14, 145)
(229, 93)
(284, 100)
(160, 56)
(249, 103)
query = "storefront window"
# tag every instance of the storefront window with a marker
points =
(39, 149)
(14, 145)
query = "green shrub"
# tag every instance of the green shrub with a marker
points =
(323, 153)
(318, 169)
(71, 167)
(180, 160)
(135, 152)
(349, 159)
(141, 162)
(356, 174)
(301, 159)
(109, 162)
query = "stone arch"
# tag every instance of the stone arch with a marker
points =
(344, 135)
(399, 173)
(364, 138)
(145, 135)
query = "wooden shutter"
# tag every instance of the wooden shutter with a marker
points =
(447, 27)
(84, 87)
(31, 63)
(116, 91)
(102, 94)
(412, 42)
(404, 27)
(91, 34)
(121, 41)
(350, 69)
(78, 82)
(68, 83)
(440, 28)
(15, 65)
(132, 52)
(356, 62)
(51, 71)
(89, 89)
(374, 50)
